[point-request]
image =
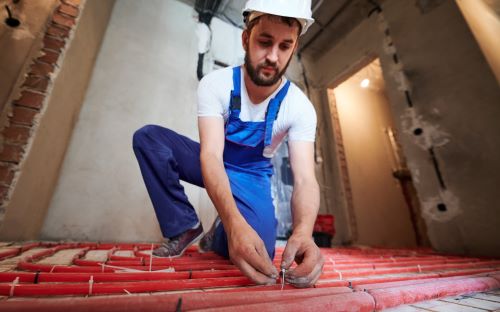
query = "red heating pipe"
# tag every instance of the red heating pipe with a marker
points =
(27, 266)
(377, 280)
(358, 301)
(91, 288)
(365, 281)
(11, 252)
(42, 277)
(467, 272)
(327, 284)
(167, 302)
(155, 261)
(391, 297)
(381, 285)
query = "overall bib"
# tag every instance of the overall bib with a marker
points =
(166, 157)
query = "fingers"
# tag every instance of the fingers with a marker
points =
(253, 274)
(253, 260)
(268, 267)
(305, 281)
(289, 255)
(257, 257)
(309, 270)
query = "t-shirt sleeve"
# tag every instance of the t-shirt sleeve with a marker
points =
(209, 104)
(303, 126)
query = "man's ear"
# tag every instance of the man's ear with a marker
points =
(244, 39)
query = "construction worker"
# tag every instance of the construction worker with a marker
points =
(244, 114)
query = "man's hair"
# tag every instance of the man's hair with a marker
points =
(290, 21)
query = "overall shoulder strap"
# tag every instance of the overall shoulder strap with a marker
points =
(235, 101)
(272, 112)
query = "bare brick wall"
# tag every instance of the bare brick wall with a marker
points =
(21, 123)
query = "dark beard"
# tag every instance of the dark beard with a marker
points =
(253, 72)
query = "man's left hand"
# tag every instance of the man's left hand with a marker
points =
(304, 251)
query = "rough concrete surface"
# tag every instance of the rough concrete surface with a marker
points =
(455, 98)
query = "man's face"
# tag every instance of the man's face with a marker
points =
(269, 48)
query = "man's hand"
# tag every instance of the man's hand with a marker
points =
(248, 253)
(310, 261)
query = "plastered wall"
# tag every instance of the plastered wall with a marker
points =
(455, 100)
(145, 74)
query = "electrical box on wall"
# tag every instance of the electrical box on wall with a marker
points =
(225, 47)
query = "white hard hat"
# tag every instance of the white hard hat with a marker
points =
(299, 9)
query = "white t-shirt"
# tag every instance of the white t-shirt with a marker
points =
(296, 116)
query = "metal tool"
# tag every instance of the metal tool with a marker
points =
(283, 278)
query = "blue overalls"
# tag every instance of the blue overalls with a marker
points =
(166, 157)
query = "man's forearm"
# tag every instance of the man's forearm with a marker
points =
(305, 206)
(217, 186)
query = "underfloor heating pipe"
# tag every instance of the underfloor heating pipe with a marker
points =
(395, 296)
(45, 277)
(170, 302)
(92, 288)
(28, 266)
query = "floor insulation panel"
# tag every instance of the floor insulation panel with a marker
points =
(43, 276)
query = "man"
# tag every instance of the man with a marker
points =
(244, 113)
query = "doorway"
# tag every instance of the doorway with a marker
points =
(382, 205)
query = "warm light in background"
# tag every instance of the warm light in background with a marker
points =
(365, 83)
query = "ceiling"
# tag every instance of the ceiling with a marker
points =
(334, 19)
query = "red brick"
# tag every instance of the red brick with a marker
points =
(53, 43)
(11, 153)
(63, 20)
(49, 57)
(68, 10)
(30, 99)
(72, 2)
(4, 190)
(6, 175)
(23, 116)
(16, 134)
(41, 69)
(57, 31)
(36, 83)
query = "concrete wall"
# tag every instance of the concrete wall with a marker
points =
(26, 210)
(145, 74)
(455, 101)
(378, 200)
(483, 18)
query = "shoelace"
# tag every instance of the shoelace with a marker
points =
(171, 245)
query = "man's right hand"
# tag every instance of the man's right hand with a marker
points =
(248, 252)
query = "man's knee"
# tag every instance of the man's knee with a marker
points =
(148, 134)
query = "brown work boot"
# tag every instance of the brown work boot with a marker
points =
(174, 247)
(206, 242)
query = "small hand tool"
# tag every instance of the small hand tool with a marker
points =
(283, 278)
